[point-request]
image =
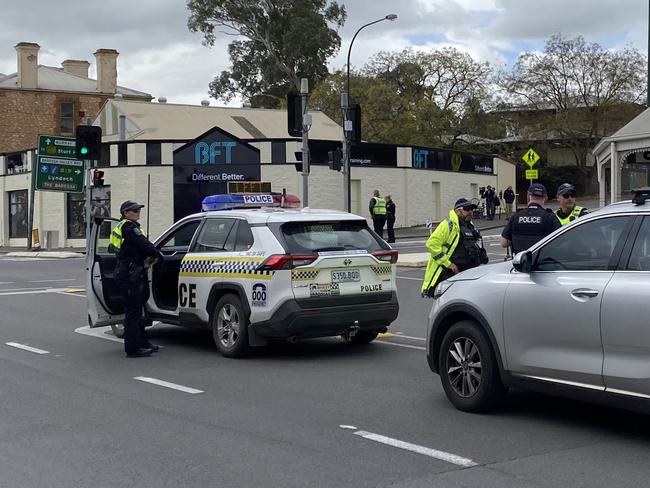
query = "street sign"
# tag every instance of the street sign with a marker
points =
(530, 158)
(532, 174)
(57, 168)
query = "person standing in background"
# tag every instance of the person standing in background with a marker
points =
(509, 198)
(377, 208)
(390, 218)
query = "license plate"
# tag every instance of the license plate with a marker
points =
(346, 276)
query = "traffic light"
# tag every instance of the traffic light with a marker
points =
(334, 159)
(89, 142)
(98, 177)
(294, 114)
(354, 114)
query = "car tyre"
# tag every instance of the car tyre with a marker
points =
(229, 326)
(468, 368)
(363, 337)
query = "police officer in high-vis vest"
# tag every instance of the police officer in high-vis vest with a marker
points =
(529, 225)
(135, 253)
(454, 246)
(568, 211)
(377, 207)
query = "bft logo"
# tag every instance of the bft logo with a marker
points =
(205, 153)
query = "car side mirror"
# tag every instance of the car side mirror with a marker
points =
(523, 261)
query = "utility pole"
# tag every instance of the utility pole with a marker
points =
(306, 125)
(347, 127)
(647, 86)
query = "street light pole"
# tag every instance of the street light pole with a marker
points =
(346, 103)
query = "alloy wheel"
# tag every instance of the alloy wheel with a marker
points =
(228, 325)
(464, 368)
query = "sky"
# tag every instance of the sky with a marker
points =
(160, 56)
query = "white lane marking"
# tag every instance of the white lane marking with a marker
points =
(30, 291)
(6, 282)
(27, 348)
(351, 427)
(98, 332)
(420, 348)
(166, 384)
(409, 278)
(71, 294)
(50, 281)
(425, 451)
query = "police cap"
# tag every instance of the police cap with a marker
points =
(565, 188)
(537, 190)
(130, 205)
(465, 204)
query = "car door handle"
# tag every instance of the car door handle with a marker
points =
(584, 293)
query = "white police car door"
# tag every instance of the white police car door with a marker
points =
(104, 299)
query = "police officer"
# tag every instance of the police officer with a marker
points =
(453, 246)
(377, 207)
(135, 253)
(568, 211)
(529, 225)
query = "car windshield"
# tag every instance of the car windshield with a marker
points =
(305, 237)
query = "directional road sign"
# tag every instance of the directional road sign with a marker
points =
(532, 174)
(57, 168)
(531, 157)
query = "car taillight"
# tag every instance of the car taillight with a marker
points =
(387, 256)
(286, 261)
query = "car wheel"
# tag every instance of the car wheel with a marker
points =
(364, 337)
(468, 368)
(230, 327)
(118, 330)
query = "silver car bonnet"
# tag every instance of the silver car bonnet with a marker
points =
(480, 271)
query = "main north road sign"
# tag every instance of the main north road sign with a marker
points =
(57, 168)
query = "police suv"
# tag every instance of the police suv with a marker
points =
(252, 274)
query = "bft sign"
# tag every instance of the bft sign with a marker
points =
(205, 153)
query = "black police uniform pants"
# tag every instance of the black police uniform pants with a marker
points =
(135, 294)
(378, 222)
(390, 222)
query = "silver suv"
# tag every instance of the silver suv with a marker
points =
(569, 315)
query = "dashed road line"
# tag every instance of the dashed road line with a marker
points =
(407, 446)
(27, 348)
(52, 281)
(408, 346)
(166, 384)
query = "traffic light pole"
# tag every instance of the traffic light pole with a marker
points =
(347, 125)
(306, 123)
(89, 176)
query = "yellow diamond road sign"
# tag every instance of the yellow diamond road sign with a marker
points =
(530, 158)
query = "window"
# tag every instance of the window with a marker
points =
(180, 239)
(100, 207)
(16, 163)
(66, 125)
(122, 154)
(153, 153)
(640, 256)
(244, 236)
(18, 213)
(586, 247)
(214, 236)
(306, 237)
(278, 152)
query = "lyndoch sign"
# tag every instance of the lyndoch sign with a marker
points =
(57, 168)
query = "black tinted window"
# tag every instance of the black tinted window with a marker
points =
(586, 247)
(244, 236)
(307, 237)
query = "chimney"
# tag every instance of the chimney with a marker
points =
(76, 67)
(27, 54)
(106, 70)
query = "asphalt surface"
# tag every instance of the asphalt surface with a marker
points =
(318, 413)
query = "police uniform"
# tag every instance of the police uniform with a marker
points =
(377, 209)
(451, 242)
(574, 213)
(132, 248)
(529, 225)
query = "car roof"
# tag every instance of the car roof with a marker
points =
(275, 214)
(625, 206)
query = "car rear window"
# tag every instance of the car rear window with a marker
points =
(309, 237)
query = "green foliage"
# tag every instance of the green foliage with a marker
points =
(281, 41)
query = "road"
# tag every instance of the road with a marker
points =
(319, 413)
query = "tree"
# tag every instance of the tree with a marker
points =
(415, 98)
(575, 92)
(284, 41)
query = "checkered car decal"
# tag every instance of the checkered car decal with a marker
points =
(304, 275)
(230, 267)
(381, 270)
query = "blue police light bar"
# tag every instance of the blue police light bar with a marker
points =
(228, 201)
